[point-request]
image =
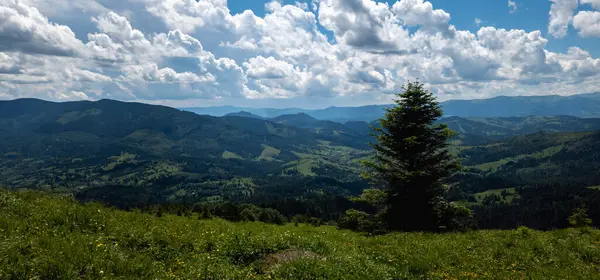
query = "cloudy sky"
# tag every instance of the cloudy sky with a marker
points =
(312, 53)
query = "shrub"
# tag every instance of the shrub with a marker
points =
(360, 221)
(580, 218)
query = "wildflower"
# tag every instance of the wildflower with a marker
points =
(101, 271)
(99, 245)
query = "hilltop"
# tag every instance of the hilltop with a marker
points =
(49, 237)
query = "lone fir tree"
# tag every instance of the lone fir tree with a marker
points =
(412, 162)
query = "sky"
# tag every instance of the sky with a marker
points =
(309, 54)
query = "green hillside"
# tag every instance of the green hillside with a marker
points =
(51, 237)
(478, 131)
(347, 135)
(138, 155)
(535, 159)
(163, 154)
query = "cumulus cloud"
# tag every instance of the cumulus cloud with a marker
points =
(561, 14)
(23, 28)
(421, 13)
(8, 65)
(275, 78)
(178, 50)
(188, 15)
(587, 23)
(363, 24)
(595, 3)
(577, 63)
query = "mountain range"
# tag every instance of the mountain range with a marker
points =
(580, 105)
(171, 154)
(137, 154)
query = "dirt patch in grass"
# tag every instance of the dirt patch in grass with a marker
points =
(272, 261)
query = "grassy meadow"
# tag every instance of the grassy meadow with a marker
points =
(50, 237)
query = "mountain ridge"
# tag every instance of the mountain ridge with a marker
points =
(580, 105)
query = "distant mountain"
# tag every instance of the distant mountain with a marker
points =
(346, 114)
(337, 114)
(581, 105)
(220, 111)
(299, 120)
(476, 131)
(359, 126)
(329, 130)
(216, 111)
(303, 120)
(244, 114)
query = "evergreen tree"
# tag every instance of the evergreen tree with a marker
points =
(580, 218)
(412, 162)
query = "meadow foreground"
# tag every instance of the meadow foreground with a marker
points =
(51, 237)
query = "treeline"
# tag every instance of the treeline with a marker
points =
(235, 212)
(279, 207)
(540, 207)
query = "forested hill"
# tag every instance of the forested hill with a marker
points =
(154, 130)
(540, 159)
(133, 155)
(536, 180)
(477, 131)
(168, 153)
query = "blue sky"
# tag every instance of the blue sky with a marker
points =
(265, 53)
(531, 15)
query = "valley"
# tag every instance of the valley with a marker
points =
(135, 155)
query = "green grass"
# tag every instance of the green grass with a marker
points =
(50, 237)
(495, 165)
(230, 155)
(268, 153)
(512, 194)
(118, 160)
(304, 166)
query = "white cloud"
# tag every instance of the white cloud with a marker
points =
(363, 24)
(595, 3)
(302, 5)
(421, 13)
(275, 78)
(25, 29)
(512, 7)
(176, 50)
(561, 14)
(8, 65)
(578, 63)
(188, 15)
(587, 23)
